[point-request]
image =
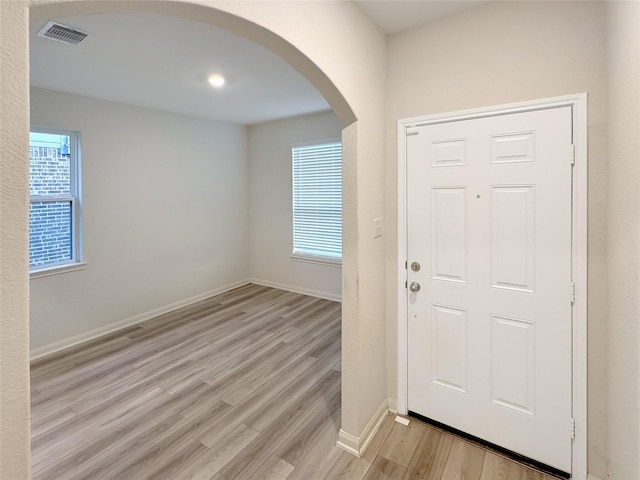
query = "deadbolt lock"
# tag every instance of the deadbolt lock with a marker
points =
(415, 266)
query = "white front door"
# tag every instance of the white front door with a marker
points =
(489, 225)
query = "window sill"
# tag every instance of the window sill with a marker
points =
(57, 270)
(330, 262)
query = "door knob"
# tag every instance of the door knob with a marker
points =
(414, 286)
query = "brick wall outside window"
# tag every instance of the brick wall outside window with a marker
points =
(50, 229)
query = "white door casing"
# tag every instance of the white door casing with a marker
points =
(488, 345)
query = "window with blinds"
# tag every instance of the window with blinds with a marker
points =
(317, 202)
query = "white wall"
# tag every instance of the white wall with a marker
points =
(270, 205)
(165, 208)
(14, 242)
(498, 53)
(623, 213)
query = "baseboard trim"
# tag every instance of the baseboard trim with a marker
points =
(67, 343)
(393, 405)
(592, 477)
(296, 289)
(348, 443)
(358, 445)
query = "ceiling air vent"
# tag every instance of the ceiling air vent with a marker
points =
(62, 33)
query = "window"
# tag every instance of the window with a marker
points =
(317, 202)
(54, 194)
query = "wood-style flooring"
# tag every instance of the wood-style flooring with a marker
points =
(244, 385)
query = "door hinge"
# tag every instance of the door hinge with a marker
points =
(573, 428)
(573, 293)
(572, 154)
(412, 130)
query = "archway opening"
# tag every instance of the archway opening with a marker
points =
(228, 22)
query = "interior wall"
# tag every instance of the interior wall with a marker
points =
(270, 206)
(14, 242)
(165, 214)
(623, 228)
(498, 53)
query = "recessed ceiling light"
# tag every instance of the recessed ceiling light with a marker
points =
(216, 80)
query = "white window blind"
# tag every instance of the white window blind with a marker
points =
(317, 201)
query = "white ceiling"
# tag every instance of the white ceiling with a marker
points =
(394, 16)
(163, 63)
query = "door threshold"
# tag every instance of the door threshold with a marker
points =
(516, 457)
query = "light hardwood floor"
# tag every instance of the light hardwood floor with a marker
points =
(244, 385)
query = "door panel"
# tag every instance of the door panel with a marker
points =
(489, 220)
(514, 364)
(449, 347)
(449, 234)
(513, 237)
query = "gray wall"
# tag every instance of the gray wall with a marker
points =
(270, 205)
(165, 206)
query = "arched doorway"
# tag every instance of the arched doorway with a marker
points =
(354, 58)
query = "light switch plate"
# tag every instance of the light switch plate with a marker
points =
(377, 227)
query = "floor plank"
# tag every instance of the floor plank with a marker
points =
(320, 457)
(273, 469)
(401, 442)
(212, 461)
(348, 467)
(429, 459)
(384, 469)
(465, 462)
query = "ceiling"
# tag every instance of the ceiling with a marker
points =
(395, 16)
(163, 63)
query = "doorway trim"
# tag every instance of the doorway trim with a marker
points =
(578, 103)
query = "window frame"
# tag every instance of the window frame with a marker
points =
(75, 199)
(302, 256)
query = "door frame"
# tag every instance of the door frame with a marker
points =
(578, 103)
